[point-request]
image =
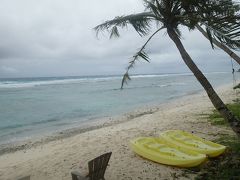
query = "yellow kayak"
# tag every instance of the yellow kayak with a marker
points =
(190, 142)
(157, 150)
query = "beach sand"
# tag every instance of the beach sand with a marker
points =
(55, 159)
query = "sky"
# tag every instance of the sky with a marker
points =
(56, 38)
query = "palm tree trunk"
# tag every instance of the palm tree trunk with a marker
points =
(215, 99)
(221, 46)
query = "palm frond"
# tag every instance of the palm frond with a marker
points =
(142, 54)
(210, 37)
(150, 5)
(114, 32)
(229, 36)
(226, 20)
(221, 18)
(140, 22)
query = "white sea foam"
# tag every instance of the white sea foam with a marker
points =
(159, 75)
(25, 84)
(172, 84)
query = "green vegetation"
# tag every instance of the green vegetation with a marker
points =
(237, 86)
(216, 119)
(226, 166)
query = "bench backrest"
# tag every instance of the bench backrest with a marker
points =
(97, 166)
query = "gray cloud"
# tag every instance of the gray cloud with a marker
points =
(54, 38)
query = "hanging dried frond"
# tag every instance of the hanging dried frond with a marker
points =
(142, 54)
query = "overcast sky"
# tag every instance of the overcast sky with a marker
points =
(56, 38)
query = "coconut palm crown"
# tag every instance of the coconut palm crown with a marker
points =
(223, 33)
(169, 15)
(221, 21)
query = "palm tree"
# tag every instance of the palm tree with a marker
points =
(220, 45)
(226, 34)
(222, 33)
(169, 15)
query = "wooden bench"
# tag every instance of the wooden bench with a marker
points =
(96, 167)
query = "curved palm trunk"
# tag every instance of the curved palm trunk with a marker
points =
(220, 45)
(215, 99)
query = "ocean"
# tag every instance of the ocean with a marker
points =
(32, 107)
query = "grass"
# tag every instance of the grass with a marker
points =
(216, 119)
(237, 86)
(226, 166)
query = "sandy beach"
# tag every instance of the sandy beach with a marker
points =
(55, 159)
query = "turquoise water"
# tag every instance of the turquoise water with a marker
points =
(33, 106)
